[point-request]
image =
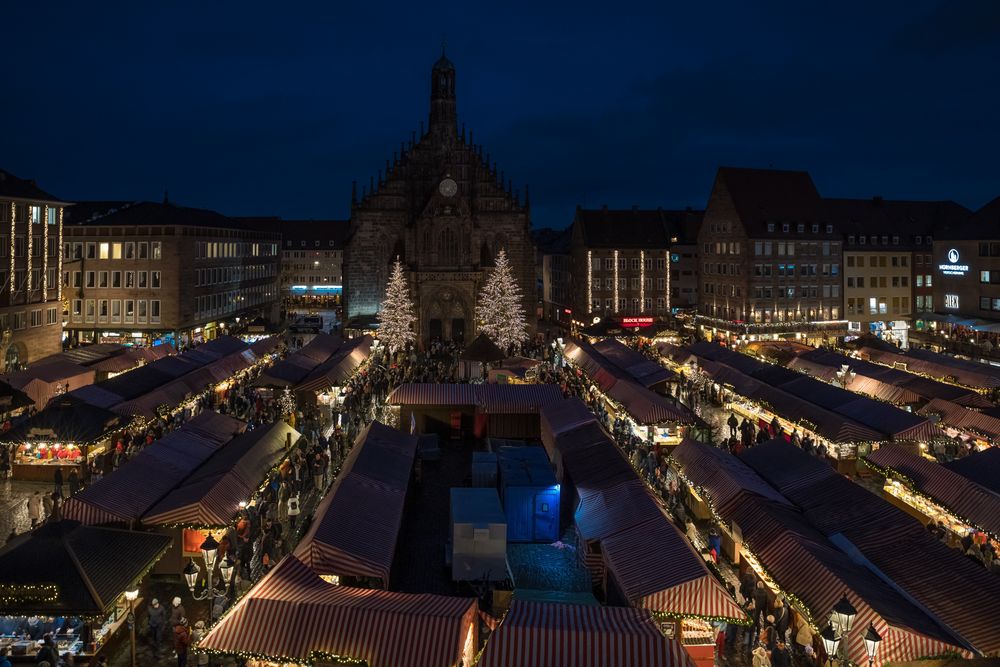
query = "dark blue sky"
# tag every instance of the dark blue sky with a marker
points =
(273, 108)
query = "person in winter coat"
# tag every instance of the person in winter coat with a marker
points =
(177, 612)
(760, 657)
(293, 510)
(781, 620)
(182, 640)
(196, 636)
(781, 656)
(35, 508)
(47, 653)
(157, 616)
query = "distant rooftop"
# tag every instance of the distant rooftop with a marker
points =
(636, 227)
(22, 188)
(144, 213)
(294, 232)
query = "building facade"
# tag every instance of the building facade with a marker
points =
(441, 207)
(31, 223)
(145, 272)
(555, 276)
(770, 262)
(312, 259)
(625, 262)
(887, 246)
(966, 269)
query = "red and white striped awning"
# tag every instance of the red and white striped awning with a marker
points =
(487, 398)
(657, 568)
(535, 634)
(294, 616)
(605, 511)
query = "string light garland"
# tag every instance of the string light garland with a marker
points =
(30, 243)
(21, 593)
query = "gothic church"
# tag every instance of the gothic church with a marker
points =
(444, 210)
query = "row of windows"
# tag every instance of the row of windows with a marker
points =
(878, 306)
(991, 249)
(635, 262)
(223, 303)
(988, 303)
(20, 283)
(234, 249)
(20, 245)
(113, 250)
(801, 291)
(880, 281)
(303, 243)
(788, 248)
(924, 303)
(924, 280)
(23, 318)
(880, 261)
(873, 239)
(628, 306)
(116, 311)
(300, 254)
(800, 228)
(228, 274)
(989, 277)
(112, 279)
(312, 280)
(722, 269)
(33, 212)
(761, 313)
(733, 290)
(609, 283)
(723, 248)
(789, 270)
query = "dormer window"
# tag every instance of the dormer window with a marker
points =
(829, 229)
(815, 229)
(770, 226)
(885, 240)
(920, 239)
(861, 239)
(895, 240)
(850, 239)
(929, 239)
(801, 228)
(784, 227)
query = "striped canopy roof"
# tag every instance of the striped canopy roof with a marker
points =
(648, 407)
(963, 419)
(536, 634)
(566, 415)
(644, 370)
(656, 568)
(606, 511)
(357, 523)
(339, 367)
(210, 497)
(488, 398)
(939, 366)
(968, 500)
(294, 616)
(129, 492)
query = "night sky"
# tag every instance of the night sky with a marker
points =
(273, 109)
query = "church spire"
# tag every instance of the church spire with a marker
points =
(443, 118)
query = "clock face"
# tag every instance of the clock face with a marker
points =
(448, 187)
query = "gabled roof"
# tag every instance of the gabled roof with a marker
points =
(23, 188)
(144, 213)
(86, 566)
(973, 226)
(483, 349)
(67, 419)
(645, 229)
(761, 196)
(296, 231)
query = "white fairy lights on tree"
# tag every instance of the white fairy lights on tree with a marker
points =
(500, 310)
(395, 319)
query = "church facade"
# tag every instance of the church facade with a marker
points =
(444, 210)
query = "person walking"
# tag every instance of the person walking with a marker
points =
(293, 511)
(196, 636)
(733, 423)
(35, 508)
(58, 480)
(157, 617)
(177, 612)
(182, 640)
(74, 482)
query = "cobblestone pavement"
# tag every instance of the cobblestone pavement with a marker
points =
(14, 504)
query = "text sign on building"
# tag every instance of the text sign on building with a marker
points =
(951, 301)
(953, 268)
(636, 321)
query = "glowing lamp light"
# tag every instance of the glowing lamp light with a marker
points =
(843, 615)
(132, 595)
(831, 642)
(872, 641)
(209, 550)
(226, 569)
(191, 572)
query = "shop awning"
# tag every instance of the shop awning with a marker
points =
(68, 569)
(432, 394)
(336, 370)
(357, 523)
(656, 568)
(516, 399)
(129, 492)
(42, 383)
(606, 511)
(211, 496)
(977, 505)
(647, 407)
(66, 420)
(535, 634)
(294, 616)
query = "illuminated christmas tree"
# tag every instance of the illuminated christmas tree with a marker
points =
(395, 319)
(500, 310)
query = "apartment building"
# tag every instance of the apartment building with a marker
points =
(966, 268)
(144, 272)
(31, 223)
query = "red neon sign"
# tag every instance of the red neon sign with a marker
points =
(636, 321)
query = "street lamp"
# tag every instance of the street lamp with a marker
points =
(209, 552)
(831, 642)
(131, 597)
(842, 618)
(872, 640)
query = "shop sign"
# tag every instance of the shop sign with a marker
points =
(951, 301)
(953, 268)
(636, 321)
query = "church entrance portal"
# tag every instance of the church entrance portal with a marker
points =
(458, 330)
(436, 330)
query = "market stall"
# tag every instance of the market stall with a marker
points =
(475, 360)
(296, 366)
(13, 402)
(126, 494)
(536, 634)
(356, 525)
(293, 616)
(44, 382)
(209, 499)
(325, 382)
(67, 434)
(71, 580)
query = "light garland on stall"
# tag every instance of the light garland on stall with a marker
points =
(14, 594)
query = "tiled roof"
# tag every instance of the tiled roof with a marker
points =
(646, 229)
(971, 227)
(22, 188)
(902, 219)
(146, 214)
(763, 196)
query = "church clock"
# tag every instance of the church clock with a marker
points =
(448, 187)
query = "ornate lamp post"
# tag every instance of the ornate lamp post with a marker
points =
(872, 641)
(831, 642)
(842, 619)
(209, 552)
(131, 597)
